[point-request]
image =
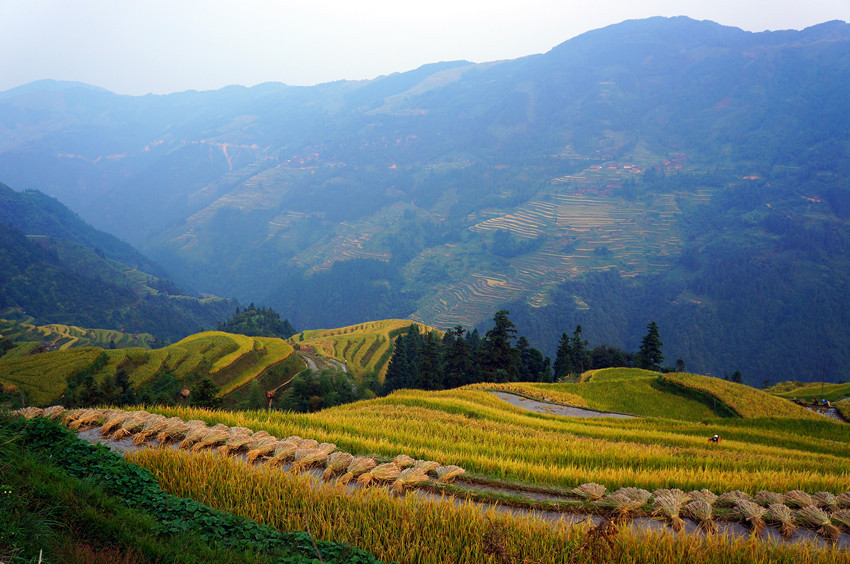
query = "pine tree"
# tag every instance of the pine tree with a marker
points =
(563, 357)
(499, 360)
(649, 356)
(430, 364)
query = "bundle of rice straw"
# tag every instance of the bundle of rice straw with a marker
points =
(767, 498)
(625, 500)
(667, 506)
(261, 448)
(409, 477)
(752, 513)
(212, 438)
(782, 514)
(53, 412)
(825, 500)
(152, 426)
(797, 498)
(88, 418)
(336, 464)
(221, 427)
(175, 428)
(131, 425)
(842, 517)
(260, 438)
(403, 461)
(590, 491)
(357, 467)
(67, 416)
(637, 494)
(294, 439)
(235, 443)
(675, 493)
(308, 443)
(843, 499)
(307, 457)
(386, 472)
(707, 496)
(193, 435)
(448, 473)
(700, 511)
(729, 499)
(816, 518)
(426, 465)
(29, 412)
(326, 447)
(283, 452)
(114, 421)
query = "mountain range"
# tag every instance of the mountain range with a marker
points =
(664, 170)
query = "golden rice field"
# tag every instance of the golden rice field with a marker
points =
(490, 438)
(415, 529)
(831, 392)
(365, 348)
(63, 337)
(231, 360)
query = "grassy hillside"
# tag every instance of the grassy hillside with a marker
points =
(798, 390)
(231, 361)
(55, 336)
(364, 348)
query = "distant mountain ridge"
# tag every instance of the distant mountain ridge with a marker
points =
(665, 169)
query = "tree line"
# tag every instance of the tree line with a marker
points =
(425, 360)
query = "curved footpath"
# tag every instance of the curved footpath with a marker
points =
(554, 408)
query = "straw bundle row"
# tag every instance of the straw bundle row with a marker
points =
(767, 499)
(704, 495)
(730, 499)
(590, 491)
(308, 457)
(337, 464)
(449, 473)
(284, 451)
(782, 515)
(29, 412)
(426, 465)
(130, 426)
(212, 438)
(409, 477)
(674, 493)
(260, 448)
(843, 499)
(113, 421)
(825, 500)
(752, 513)
(842, 517)
(797, 498)
(152, 426)
(89, 418)
(356, 468)
(667, 505)
(403, 461)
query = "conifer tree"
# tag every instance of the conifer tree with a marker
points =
(649, 356)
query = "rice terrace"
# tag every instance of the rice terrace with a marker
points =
(461, 475)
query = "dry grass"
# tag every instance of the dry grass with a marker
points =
(766, 498)
(449, 473)
(386, 472)
(153, 425)
(403, 461)
(704, 495)
(89, 418)
(825, 500)
(356, 468)
(262, 447)
(307, 457)
(667, 506)
(843, 499)
(427, 466)
(113, 421)
(283, 453)
(731, 499)
(842, 517)
(213, 438)
(625, 501)
(337, 464)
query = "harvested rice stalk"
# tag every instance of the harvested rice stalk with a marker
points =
(152, 426)
(131, 425)
(403, 461)
(409, 477)
(782, 514)
(730, 499)
(212, 438)
(842, 517)
(797, 498)
(326, 447)
(620, 503)
(426, 466)
(175, 429)
(357, 467)
(825, 500)
(113, 421)
(88, 419)
(752, 513)
(263, 449)
(590, 491)
(235, 443)
(700, 511)
(307, 457)
(283, 452)
(385, 472)
(703, 495)
(53, 412)
(637, 494)
(67, 416)
(843, 499)
(675, 493)
(337, 463)
(259, 439)
(816, 518)
(194, 435)
(766, 498)
(448, 473)
(30, 412)
(308, 443)
(667, 506)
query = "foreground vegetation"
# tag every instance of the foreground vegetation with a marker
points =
(67, 501)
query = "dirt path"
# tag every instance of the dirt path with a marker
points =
(554, 408)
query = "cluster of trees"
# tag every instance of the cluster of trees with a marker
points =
(311, 392)
(258, 322)
(427, 361)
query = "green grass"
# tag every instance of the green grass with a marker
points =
(42, 376)
(807, 392)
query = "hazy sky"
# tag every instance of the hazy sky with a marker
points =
(165, 46)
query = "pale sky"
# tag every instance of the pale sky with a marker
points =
(164, 46)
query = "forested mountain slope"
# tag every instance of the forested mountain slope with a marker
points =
(661, 169)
